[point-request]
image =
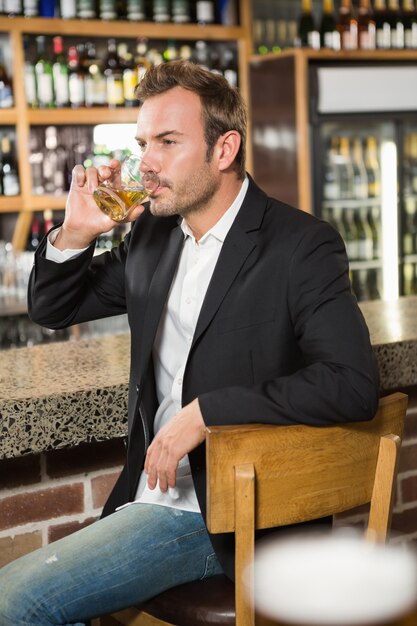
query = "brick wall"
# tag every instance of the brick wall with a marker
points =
(48, 496)
(404, 518)
(45, 497)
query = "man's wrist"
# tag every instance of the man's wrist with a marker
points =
(65, 241)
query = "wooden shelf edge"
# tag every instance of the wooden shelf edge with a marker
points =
(93, 116)
(338, 55)
(8, 117)
(10, 204)
(40, 203)
(119, 28)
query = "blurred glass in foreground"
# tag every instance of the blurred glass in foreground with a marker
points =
(334, 580)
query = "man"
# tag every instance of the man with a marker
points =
(240, 311)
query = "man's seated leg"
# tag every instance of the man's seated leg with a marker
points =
(116, 562)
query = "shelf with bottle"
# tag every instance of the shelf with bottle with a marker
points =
(345, 25)
(85, 74)
(160, 11)
(225, 33)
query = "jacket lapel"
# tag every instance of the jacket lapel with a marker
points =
(235, 250)
(158, 291)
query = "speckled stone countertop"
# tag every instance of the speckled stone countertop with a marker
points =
(62, 394)
(393, 330)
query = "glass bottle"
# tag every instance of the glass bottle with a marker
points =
(365, 241)
(181, 11)
(360, 178)
(129, 75)
(410, 24)
(94, 79)
(86, 9)
(44, 76)
(6, 88)
(47, 8)
(141, 62)
(345, 169)
(60, 73)
(34, 238)
(10, 174)
(12, 7)
(160, 11)
(347, 26)
(351, 234)
(53, 163)
(396, 24)
(30, 8)
(374, 221)
(329, 35)
(29, 74)
(366, 26)
(76, 77)
(205, 12)
(382, 24)
(113, 73)
(372, 167)
(308, 35)
(107, 10)
(136, 10)
(68, 9)
(331, 184)
(410, 227)
(230, 67)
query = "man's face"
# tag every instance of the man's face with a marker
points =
(171, 135)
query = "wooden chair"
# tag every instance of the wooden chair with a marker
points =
(261, 476)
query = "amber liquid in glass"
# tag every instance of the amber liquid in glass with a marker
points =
(117, 203)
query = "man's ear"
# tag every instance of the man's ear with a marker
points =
(228, 146)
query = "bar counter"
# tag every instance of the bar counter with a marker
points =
(62, 394)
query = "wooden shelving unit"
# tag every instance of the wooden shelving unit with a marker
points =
(22, 118)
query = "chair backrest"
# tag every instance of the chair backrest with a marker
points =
(261, 476)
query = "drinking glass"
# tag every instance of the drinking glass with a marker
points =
(125, 189)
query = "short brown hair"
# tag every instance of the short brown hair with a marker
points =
(222, 105)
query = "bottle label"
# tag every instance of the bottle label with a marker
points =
(115, 91)
(410, 36)
(30, 86)
(68, 9)
(12, 6)
(313, 39)
(205, 11)
(383, 36)
(397, 36)
(129, 85)
(76, 90)
(108, 10)
(332, 40)
(231, 77)
(136, 10)
(61, 88)
(180, 11)
(45, 89)
(161, 11)
(86, 9)
(30, 8)
(11, 184)
(366, 249)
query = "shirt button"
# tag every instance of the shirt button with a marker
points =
(179, 381)
(188, 300)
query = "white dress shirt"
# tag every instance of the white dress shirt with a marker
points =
(174, 337)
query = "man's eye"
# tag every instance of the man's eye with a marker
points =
(169, 142)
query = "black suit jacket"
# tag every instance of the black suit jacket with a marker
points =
(280, 338)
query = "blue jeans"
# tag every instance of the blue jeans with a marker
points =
(116, 562)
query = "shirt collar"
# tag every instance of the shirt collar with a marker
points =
(223, 225)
